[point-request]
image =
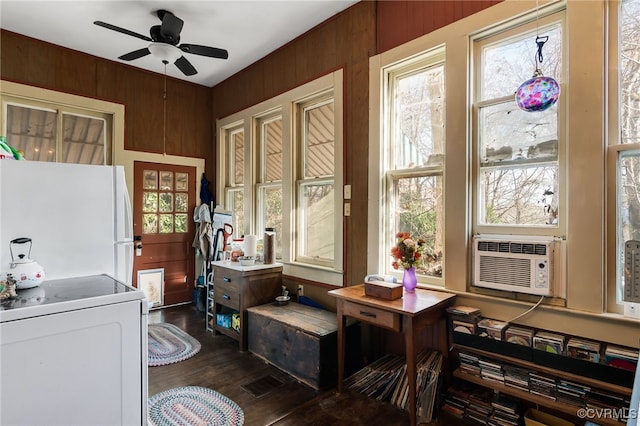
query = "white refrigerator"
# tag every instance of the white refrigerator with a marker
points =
(78, 217)
(73, 350)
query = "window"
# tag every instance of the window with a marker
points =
(165, 202)
(625, 140)
(49, 132)
(234, 192)
(315, 184)
(415, 162)
(280, 164)
(518, 153)
(269, 183)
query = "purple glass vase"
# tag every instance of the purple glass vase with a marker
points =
(409, 280)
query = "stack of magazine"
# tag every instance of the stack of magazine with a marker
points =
(386, 380)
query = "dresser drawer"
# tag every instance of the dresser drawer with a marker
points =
(227, 293)
(227, 275)
(372, 315)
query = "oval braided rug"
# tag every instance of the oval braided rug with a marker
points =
(193, 405)
(168, 344)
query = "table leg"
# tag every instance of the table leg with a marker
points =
(341, 345)
(410, 349)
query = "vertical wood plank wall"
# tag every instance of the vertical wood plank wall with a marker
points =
(345, 41)
(189, 126)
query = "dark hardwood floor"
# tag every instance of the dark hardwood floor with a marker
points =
(221, 366)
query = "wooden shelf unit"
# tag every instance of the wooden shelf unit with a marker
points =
(533, 398)
(241, 287)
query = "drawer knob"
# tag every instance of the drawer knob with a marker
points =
(226, 297)
(226, 279)
(367, 314)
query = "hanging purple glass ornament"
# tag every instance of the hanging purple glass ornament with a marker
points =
(539, 92)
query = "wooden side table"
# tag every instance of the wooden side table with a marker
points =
(411, 313)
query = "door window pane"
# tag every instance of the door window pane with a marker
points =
(166, 223)
(182, 202)
(166, 202)
(180, 224)
(149, 201)
(150, 223)
(150, 179)
(182, 181)
(166, 181)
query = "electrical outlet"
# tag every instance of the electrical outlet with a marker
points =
(300, 290)
(347, 209)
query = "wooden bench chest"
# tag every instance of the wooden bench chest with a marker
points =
(298, 339)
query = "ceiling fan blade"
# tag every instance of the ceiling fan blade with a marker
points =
(185, 66)
(135, 54)
(212, 52)
(171, 26)
(121, 30)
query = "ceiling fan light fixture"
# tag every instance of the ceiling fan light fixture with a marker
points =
(166, 52)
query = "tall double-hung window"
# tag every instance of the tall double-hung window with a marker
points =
(414, 164)
(519, 177)
(624, 141)
(269, 202)
(234, 191)
(280, 166)
(315, 184)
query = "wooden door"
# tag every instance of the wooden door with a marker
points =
(164, 198)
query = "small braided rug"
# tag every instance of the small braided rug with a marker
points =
(168, 344)
(191, 406)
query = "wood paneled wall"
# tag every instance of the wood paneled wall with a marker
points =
(401, 21)
(189, 126)
(345, 41)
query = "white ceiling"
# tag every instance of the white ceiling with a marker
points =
(248, 30)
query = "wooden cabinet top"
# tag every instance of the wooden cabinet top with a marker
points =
(236, 266)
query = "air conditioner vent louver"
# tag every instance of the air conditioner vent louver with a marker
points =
(505, 271)
(520, 264)
(512, 247)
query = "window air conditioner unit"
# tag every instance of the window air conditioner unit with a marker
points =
(522, 264)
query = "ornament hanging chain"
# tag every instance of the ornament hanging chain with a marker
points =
(540, 41)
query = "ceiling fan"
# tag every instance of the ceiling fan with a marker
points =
(164, 43)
